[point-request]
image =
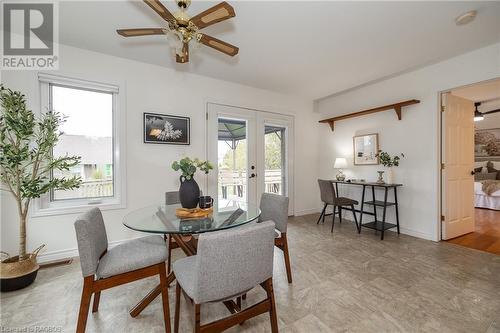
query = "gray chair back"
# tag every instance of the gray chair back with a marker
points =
(231, 262)
(92, 240)
(327, 191)
(172, 198)
(274, 207)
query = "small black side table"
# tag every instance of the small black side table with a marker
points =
(379, 225)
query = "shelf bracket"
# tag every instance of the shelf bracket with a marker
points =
(398, 111)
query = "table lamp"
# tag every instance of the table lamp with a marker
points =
(340, 163)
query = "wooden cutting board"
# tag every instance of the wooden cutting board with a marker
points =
(193, 212)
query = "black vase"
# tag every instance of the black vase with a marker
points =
(189, 192)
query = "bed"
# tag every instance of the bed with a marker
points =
(483, 200)
(487, 172)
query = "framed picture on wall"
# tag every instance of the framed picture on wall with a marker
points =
(166, 129)
(487, 144)
(366, 149)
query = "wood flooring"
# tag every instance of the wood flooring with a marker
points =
(486, 236)
(342, 282)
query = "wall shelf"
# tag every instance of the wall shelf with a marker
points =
(396, 107)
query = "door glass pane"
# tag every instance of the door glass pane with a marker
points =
(275, 160)
(232, 160)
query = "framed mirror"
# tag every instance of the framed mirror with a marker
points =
(366, 149)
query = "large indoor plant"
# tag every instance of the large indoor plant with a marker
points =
(26, 166)
(189, 191)
(389, 162)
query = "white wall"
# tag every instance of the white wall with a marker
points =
(150, 88)
(416, 134)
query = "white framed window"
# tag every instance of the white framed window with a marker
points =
(94, 130)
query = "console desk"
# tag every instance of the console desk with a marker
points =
(376, 224)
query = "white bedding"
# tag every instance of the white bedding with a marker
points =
(482, 200)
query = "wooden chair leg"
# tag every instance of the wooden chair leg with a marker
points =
(177, 307)
(84, 304)
(197, 318)
(95, 305)
(164, 295)
(286, 254)
(272, 311)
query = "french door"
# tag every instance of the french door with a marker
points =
(252, 154)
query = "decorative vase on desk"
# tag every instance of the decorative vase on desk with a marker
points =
(389, 162)
(189, 191)
(390, 175)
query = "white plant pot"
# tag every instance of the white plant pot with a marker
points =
(390, 176)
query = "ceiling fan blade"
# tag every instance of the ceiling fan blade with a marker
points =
(184, 57)
(158, 7)
(217, 13)
(492, 111)
(140, 32)
(219, 45)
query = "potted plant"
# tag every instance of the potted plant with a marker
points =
(189, 191)
(26, 166)
(389, 162)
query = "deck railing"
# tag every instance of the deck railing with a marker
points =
(237, 180)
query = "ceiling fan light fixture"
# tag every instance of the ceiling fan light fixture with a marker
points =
(478, 116)
(466, 17)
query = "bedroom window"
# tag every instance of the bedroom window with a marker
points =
(92, 131)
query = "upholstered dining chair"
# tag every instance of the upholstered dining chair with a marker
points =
(329, 197)
(227, 264)
(274, 207)
(171, 198)
(104, 268)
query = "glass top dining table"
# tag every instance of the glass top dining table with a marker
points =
(161, 219)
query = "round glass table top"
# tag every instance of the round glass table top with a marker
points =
(161, 218)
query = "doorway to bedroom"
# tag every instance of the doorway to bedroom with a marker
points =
(470, 156)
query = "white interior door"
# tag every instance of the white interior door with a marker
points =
(252, 152)
(458, 159)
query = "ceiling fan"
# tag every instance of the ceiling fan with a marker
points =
(478, 116)
(181, 28)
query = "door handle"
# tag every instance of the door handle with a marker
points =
(253, 175)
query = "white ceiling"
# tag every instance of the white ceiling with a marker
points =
(306, 48)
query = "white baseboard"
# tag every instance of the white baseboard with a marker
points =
(308, 211)
(69, 253)
(415, 233)
(406, 231)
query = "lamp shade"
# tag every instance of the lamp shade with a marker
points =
(340, 163)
